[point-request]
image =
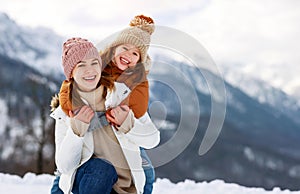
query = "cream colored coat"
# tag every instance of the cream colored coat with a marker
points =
(72, 151)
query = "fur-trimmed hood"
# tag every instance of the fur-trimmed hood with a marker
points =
(54, 102)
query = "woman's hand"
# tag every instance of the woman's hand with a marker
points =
(117, 115)
(85, 114)
(80, 119)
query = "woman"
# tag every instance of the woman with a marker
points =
(91, 156)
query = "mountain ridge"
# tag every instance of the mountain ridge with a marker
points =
(258, 138)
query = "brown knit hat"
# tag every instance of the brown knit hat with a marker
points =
(76, 50)
(139, 35)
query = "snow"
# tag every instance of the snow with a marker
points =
(29, 184)
(3, 115)
(32, 183)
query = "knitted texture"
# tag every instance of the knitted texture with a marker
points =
(76, 50)
(139, 35)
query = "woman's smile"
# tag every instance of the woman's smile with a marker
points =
(90, 78)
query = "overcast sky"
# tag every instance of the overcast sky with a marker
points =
(233, 31)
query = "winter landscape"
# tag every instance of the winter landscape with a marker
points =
(32, 184)
(257, 148)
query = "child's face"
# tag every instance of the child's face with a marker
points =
(126, 55)
(87, 74)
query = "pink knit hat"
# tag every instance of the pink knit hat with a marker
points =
(76, 50)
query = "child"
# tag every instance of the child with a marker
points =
(126, 61)
(91, 156)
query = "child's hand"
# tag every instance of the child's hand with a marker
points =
(117, 115)
(85, 114)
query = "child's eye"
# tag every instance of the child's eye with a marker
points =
(134, 53)
(125, 48)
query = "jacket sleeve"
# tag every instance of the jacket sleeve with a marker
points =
(68, 146)
(138, 99)
(144, 133)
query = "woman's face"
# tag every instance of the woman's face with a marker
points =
(87, 74)
(126, 55)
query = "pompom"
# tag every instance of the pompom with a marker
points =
(143, 22)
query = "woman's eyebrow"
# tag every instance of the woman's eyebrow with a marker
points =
(82, 61)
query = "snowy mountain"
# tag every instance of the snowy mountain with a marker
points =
(280, 76)
(27, 57)
(39, 48)
(26, 130)
(258, 145)
(263, 92)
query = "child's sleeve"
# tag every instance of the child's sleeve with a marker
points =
(138, 99)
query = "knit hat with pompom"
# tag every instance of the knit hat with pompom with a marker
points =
(76, 50)
(139, 35)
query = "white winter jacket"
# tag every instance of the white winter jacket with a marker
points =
(72, 151)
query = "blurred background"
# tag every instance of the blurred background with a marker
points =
(254, 44)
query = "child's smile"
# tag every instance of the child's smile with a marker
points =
(126, 55)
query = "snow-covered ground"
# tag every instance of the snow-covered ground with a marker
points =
(38, 184)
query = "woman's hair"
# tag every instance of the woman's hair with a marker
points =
(107, 82)
(106, 79)
(107, 55)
